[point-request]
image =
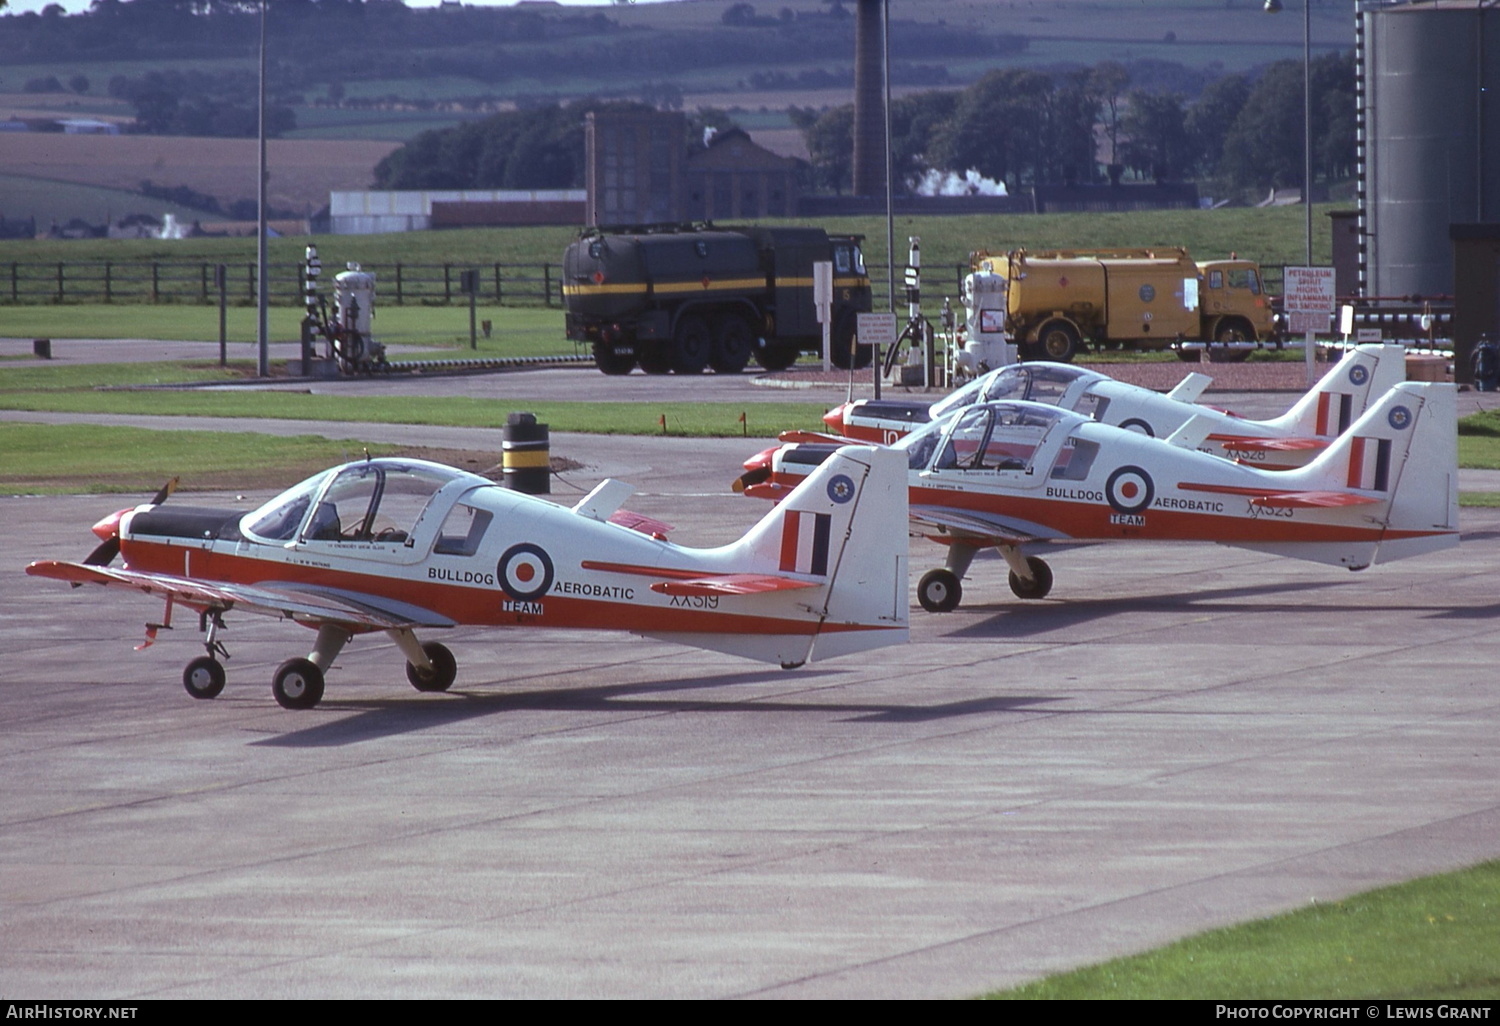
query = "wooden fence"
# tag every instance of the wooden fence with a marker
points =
(165, 281)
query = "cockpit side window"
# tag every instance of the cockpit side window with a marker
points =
(1075, 460)
(463, 530)
(1092, 405)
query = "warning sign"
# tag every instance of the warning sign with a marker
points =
(1309, 298)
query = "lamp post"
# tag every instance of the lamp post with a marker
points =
(262, 299)
(1272, 7)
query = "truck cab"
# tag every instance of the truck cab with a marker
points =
(1233, 300)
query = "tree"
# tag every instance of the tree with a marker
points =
(830, 144)
(1156, 135)
(914, 120)
(1211, 117)
(1264, 148)
(1001, 127)
(1108, 81)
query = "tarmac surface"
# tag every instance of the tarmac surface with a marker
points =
(1178, 738)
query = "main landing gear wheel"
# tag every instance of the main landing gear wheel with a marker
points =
(1040, 583)
(204, 677)
(444, 669)
(939, 590)
(298, 684)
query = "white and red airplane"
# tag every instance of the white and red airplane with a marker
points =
(1017, 475)
(400, 545)
(1293, 439)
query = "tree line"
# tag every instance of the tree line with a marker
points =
(1025, 127)
(1018, 126)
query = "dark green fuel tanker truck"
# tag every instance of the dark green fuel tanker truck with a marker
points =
(687, 297)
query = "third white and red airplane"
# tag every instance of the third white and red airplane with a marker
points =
(1364, 374)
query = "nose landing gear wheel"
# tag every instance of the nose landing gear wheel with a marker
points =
(298, 684)
(939, 591)
(204, 677)
(441, 676)
(1040, 583)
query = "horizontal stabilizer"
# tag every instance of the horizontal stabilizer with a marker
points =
(731, 584)
(1259, 496)
(640, 522)
(1239, 443)
(1312, 500)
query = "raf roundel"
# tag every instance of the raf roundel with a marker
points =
(1129, 489)
(1359, 374)
(841, 488)
(525, 572)
(1399, 418)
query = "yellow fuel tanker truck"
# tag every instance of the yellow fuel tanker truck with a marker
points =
(1057, 301)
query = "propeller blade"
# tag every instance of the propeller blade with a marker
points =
(164, 492)
(104, 553)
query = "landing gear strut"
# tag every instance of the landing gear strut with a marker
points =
(204, 676)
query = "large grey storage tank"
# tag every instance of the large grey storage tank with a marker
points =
(1432, 131)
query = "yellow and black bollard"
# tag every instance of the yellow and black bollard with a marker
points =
(525, 455)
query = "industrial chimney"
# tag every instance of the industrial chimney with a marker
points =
(869, 101)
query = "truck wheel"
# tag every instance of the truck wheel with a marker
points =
(691, 345)
(608, 361)
(777, 358)
(656, 359)
(734, 340)
(1057, 341)
(1234, 329)
(842, 349)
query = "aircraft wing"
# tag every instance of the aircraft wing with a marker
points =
(995, 530)
(800, 436)
(306, 603)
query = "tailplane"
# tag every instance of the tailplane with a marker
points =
(1394, 470)
(1363, 376)
(829, 561)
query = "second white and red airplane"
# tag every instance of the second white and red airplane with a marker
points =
(1016, 476)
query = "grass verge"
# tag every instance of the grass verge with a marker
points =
(516, 331)
(1433, 938)
(42, 459)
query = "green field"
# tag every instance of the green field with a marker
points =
(1434, 938)
(53, 202)
(1272, 236)
(515, 331)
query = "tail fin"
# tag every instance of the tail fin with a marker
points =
(829, 562)
(1401, 459)
(1366, 373)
